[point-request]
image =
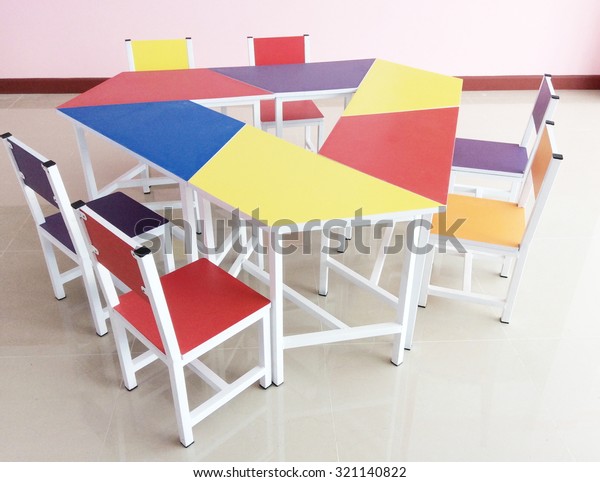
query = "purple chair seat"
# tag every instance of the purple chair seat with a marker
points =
(119, 209)
(126, 214)
(489, 156)
(56, 227)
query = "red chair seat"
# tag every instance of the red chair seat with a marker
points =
(203, 301)
(293, 110)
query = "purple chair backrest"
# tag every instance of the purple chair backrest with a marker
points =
(33, 172)
(542, 102)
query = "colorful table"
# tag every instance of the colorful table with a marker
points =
(389, 157)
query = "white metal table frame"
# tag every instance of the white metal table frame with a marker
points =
(402, 328)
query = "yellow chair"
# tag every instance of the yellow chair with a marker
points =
(487, 227)
(169, 54)
(164, 54)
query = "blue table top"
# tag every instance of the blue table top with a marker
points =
(155, 131)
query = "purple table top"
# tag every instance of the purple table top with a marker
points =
(315, 76)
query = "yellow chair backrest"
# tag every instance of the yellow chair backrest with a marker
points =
(160, 54)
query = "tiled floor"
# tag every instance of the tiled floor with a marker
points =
(471, 389)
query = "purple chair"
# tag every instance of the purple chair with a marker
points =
(502, 160)
(40, 179)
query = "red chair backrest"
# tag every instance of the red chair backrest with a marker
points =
(279, 50)
(114, 254)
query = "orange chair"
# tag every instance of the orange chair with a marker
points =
(488, 227)
(178, 317)
(287, 50)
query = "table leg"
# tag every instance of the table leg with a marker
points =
(189, 221)
(276, 295)
(86, 163)
(404, 302)
(208, 235)
(422, 245)
(413, 267)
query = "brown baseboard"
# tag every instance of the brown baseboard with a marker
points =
(497, 82)
(48, 85)
(531, 82)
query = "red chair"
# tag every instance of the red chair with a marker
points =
(178, 317)
(287, 50)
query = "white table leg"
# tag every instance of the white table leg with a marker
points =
(276, 295)
(412, 275)
(189, 221)
(421, 236)
(86, 163)
(208, 235)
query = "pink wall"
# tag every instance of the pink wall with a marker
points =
(79, 38)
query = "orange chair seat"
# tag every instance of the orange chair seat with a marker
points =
(293, 110)
(203, 301)
(486, 220)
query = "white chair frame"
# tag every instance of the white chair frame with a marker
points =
(49, 243)
(531, 138)
(518, 255)
(172, 356)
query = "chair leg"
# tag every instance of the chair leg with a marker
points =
(197, 209)
(146, 176)
(53, 271)
(320, 133)
(506, 266)
(423, 295)
(344, 236)
(265, 350)
(348, 232)
(468, 272)
(452, 182)
(513, 287)
(307, 139)
(99, 315)
(308, 144)
(182, 407)
(514, 191)
(124, 353)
